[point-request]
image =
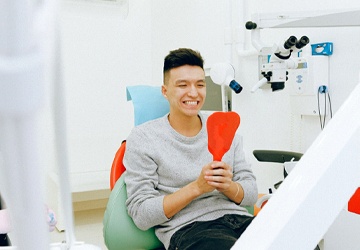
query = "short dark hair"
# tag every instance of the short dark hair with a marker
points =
(182, 56)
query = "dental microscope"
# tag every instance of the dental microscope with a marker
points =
(282, 59)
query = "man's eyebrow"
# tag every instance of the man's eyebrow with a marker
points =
(181, 81)
(186, 81)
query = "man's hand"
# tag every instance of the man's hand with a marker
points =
(218, 175)
(215, 175)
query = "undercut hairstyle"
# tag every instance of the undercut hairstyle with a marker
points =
(181, 57)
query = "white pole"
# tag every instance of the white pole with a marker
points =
(61, 145)
(21, 96)
(22, 90)
(24, 186)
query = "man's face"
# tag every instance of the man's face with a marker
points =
(185, 90)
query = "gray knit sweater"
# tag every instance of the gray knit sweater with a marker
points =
(160, 161)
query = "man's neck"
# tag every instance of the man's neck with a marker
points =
(186, 125)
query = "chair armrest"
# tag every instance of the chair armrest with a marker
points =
(276, 156)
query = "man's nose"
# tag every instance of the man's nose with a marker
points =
(193, 91)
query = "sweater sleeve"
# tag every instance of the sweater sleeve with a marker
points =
(145, 202)
(244, 175)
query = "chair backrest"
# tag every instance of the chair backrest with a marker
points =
(149, 104)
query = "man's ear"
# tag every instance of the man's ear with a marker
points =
(164, 90)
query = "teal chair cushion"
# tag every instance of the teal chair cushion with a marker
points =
(148, 101)
(120, 232)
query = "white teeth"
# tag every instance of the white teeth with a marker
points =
(191, 102)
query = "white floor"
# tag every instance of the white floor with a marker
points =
(88, 228)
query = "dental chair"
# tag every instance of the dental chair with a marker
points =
(119, 231)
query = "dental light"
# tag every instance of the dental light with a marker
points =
(224, 74)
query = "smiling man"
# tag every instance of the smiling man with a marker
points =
(172, 182)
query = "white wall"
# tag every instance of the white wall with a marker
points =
(195, 24)
(103, 54)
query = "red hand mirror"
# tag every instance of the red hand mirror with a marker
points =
(221, 127)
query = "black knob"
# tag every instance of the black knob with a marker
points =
(250, 25)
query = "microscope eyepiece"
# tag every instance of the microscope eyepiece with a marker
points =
(291, 41)
(302, 42)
